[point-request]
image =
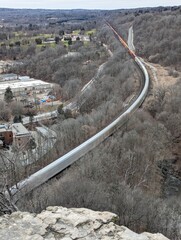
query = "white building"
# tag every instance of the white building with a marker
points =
(8, 77)
(23, 86)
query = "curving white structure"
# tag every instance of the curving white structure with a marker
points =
(63, 162)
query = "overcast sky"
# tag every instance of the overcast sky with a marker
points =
(86, 4)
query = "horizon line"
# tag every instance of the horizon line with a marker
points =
(88, 9)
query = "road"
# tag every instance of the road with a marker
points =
(107, 48)
(131, 39)
(132, 47)
(63, 162)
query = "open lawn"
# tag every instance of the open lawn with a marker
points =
(76, 32)
(90, 32)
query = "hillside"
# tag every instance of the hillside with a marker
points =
(135, 172)
(157, 34)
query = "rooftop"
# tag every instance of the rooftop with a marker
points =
(21, 84)
(19, 129)
(5, 128)
(46, 132)
(8, 75)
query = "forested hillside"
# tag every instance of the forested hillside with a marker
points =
(157, 34)
(158, 37)
(136, 172)
(127, 174)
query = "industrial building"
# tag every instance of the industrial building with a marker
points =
(19, 86)
(8, 77)
(15, 134)
(21, 136)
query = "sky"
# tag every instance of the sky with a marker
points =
(86, 4)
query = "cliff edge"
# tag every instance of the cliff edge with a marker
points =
(67, 224)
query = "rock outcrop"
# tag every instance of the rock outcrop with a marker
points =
(67, 224)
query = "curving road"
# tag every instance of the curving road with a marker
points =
(63, 162)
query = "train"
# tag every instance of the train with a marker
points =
(132, 54)
(68, 159)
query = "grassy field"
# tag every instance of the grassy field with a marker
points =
(26, 40)
(90, 32)
(86, 43)
(76, 32)
(65, 43)
(52, 45)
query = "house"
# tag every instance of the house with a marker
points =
(49, 40)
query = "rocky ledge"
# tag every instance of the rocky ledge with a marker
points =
(67, 224)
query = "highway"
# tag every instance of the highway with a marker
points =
(63, 162)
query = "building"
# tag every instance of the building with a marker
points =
(21, 136)
(49, 40)
(46, 133)
(24, 78)
(6, 134)
(15, 134)
(8, 77)
(18, 86)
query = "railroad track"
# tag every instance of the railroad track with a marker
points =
(68, 159)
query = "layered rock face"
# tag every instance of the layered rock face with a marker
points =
(67, 224)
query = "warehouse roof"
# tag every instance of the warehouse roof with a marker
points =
(7, 75)
(22, 84)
